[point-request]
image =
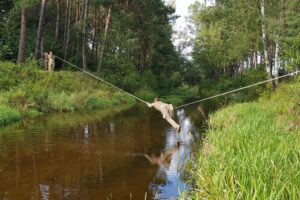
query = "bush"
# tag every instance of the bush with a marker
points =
(146, 94)
(8, 115)
(61, 102)
(212, 87)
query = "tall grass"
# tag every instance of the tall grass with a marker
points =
(252, 150)
(8, 115)
(32, 92)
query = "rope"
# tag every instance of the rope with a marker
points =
(100, 79)
(239, 89)
(184, 105)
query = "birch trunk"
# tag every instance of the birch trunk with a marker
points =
(277, 61)
(37, 53)
(22, 42)
(255, 59)
(107, 21)
(94, 33)
(264, 37)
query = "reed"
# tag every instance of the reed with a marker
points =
(251, 150)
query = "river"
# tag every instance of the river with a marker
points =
(133, 154)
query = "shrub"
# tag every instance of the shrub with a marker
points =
(8, 115)
(60, 102)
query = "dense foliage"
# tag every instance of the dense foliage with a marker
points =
(127, 42)
(230, 39)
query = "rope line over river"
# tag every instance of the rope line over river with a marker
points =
(187, 104)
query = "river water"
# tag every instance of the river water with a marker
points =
(133, 154)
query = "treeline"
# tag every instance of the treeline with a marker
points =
(233, 36)
(126, 41)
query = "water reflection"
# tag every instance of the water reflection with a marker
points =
(173, 159)
(129, 154)
(164, 159)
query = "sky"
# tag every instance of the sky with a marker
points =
(183, 36)
(182, 6)
(181, 24)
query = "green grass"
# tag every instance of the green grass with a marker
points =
(8, 115)
(251, 150)
(33, 92)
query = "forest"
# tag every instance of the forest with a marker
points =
(131, 44)
(127, 42)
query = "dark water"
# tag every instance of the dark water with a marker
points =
(128, 155)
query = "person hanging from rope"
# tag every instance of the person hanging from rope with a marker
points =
(166, 111)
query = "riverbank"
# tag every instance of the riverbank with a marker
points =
(251, 150)
(28, 92)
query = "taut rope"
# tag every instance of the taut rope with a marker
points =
(184, 105)
(239, 89)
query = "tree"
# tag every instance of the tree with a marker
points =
(107, 22)
(57, 19)
(84, 31)
(231, 32)
(39, 37)
(22, 43)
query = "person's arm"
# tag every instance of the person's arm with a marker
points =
(150, 105)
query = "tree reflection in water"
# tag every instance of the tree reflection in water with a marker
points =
(171, 161)
(81, 157)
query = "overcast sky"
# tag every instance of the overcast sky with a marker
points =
(181, 23)
(182, 6)
(182, 10)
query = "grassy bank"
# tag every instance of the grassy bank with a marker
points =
(251, 150)
(26, 91)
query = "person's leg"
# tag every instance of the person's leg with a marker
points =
(164, 112)
(174, 124)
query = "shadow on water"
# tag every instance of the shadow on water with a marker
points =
(97, 155)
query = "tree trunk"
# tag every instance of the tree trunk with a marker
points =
(107, 21)
(277, 61)
(22, 42)
(255, 59)
(65, 29)
(42, 44)
(264, 37)
(84, 63)
(67, 38)
(78, 42)
(57, 19)
(250, 61)
(94, 33)
(126, 6)
(143, 54)
(38, 52)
